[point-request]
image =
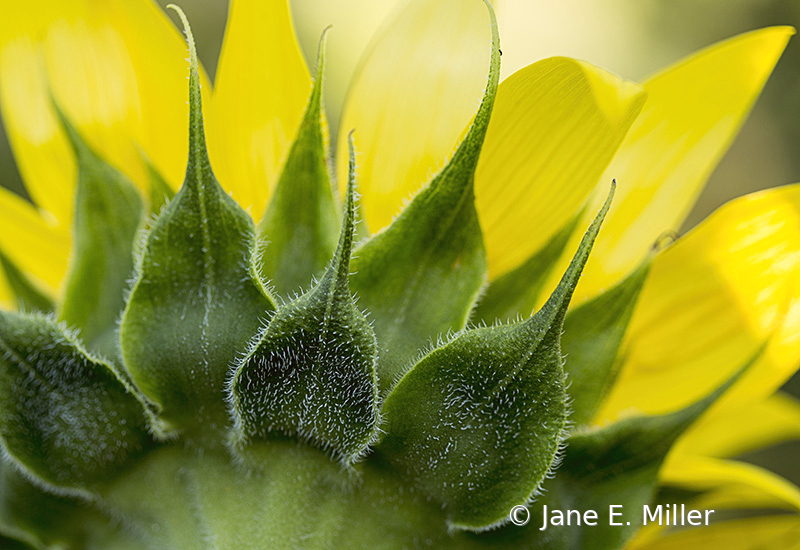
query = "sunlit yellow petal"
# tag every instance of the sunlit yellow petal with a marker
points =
(692, 113)
(555, 126)
(158, 56)
(735, 431)
(31, 243)
(729, 484)
(42, 152)
(710, 302)
(412, 98)
(7, 301)
(764, 533)
(117, 68)
(260, 92)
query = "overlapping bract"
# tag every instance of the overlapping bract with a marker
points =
(201, 334)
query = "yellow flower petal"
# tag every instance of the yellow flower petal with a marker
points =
(158, 55)
(117, 68)
(33, 245)
(711, 300)
(735, 431)
(555, 126)
(353, 23)
(40, 147)
(261, 89)
(729, 484)
(412, 98)
(7, 300)
(692, 113)
(764, 533)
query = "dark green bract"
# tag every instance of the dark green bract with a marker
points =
(171, 401)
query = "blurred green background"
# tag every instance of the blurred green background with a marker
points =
(633, 38)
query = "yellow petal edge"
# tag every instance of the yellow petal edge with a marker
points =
(763, 533)
(260, 92)
(692, 114)
(555, 126)
(710, 302)
(738, 430)
(412, 97)
(117, 70)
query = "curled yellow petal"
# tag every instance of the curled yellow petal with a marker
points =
(32, 244)
(412, 98)
(116, 68)
(555, 126)
(737, 430)
(729, 483)
(763, 533)
(710, 302)
(260, 93)
(692, 114)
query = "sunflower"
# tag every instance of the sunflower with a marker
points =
(154, 381)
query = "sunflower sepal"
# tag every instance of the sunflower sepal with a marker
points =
(421, 276)
(300, 225)
(66, 417)
(491, 398)
(332, 420)
(107, 219)
(613, 465)
(592, 341)
(197, 297)
(310, 373)
(514, 295)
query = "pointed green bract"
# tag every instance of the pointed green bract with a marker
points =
(231, 424)
(65, 416)
(197, 298)
(301, 222)
(593, 333)
(160, 191)
(616, 465)
(26, 294)
(311, 373)
(478, 423)
(108, 213)
(421, 276)
(514, 294)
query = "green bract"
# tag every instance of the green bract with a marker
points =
(207, 413)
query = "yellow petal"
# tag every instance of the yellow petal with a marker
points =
(555, 126)
(780, 532)
(353, 23)
(692, 114)
(412, 98)
(7, 301)
(118, 70)
(735, 431)
(260, 92)
(158, 55)
(40, 147)
(729, 484)
(711, 300)
(32, 244)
